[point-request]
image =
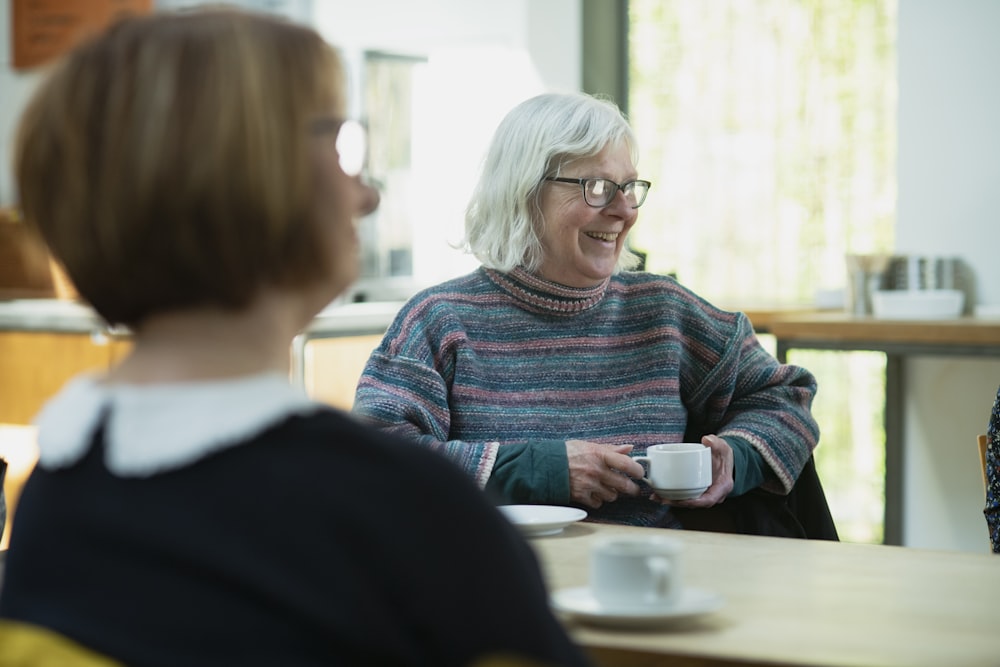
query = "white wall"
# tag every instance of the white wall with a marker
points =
(949, 136)
(947, 405)
(949, 204)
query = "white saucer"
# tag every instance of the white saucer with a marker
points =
(580, 603)
(539, 520)
(680, 494)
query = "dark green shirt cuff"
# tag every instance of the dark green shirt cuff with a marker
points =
(749, 467)
(531, 473)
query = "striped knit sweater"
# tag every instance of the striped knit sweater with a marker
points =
(491, 360)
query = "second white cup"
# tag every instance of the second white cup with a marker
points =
(628, 573)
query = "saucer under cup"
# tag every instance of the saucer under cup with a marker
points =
(678, 470)
(579, 603)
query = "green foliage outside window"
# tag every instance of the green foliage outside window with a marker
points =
(768, 129)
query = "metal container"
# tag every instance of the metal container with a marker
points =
(931, 272)
(866, 274)
(917, 272)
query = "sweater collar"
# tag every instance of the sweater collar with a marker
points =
(538, 295)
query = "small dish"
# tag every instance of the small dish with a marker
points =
(680, 494)
(581, 604)
(540, 520)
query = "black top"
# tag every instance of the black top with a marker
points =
(317, 542)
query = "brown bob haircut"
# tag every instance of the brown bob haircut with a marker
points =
(165, 162)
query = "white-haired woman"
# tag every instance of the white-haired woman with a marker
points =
(545, 370)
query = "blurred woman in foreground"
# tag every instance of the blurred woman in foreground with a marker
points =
(197, 177)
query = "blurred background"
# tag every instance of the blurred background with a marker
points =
(781, 136)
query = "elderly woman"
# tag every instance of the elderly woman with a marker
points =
(194, 174)
(545, 370)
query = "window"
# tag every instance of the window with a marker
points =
(768, 130)
(390, 83)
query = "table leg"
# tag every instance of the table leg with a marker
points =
(894, 450)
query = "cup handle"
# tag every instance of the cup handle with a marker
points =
(644, 462)
(660, 567)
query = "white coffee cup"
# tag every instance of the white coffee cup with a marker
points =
(678, 470)
(632, 573)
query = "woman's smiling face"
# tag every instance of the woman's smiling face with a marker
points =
(581, 244)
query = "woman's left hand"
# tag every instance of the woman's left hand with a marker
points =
(722, 476)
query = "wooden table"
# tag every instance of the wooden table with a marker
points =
(801, 602)
(898, 339)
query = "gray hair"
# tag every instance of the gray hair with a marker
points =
(533, 142)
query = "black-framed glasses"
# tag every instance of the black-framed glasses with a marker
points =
(599, 192)
(352, 142)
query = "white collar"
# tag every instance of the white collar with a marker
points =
(155, 428)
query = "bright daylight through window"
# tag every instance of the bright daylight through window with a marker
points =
(768, 130)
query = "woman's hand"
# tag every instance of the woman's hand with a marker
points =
(722, 476)
(598, 474)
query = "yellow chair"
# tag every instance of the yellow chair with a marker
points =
(983, 441)
(28, 645)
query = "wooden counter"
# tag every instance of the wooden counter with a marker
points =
(44, 342)
(967, 334)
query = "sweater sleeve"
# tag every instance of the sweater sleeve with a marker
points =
(743, 394)
(410, 399)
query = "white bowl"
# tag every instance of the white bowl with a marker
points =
(935, 304)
